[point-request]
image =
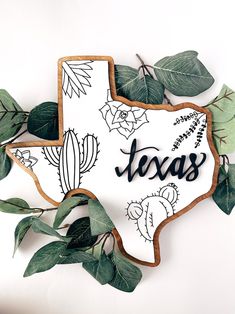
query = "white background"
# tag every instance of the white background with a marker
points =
(197, 272)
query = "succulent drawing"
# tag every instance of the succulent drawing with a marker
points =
(152, 210)
(26, 159)
(76, 77)
(125, 119)
(73, 159)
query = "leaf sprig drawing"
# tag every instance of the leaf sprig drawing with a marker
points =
(196, 124)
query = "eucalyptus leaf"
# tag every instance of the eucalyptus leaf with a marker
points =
(45, 258)
(5, 163)
(102, 270)
(72, 256)
(39, 226)
(130, 85)
(12, 116)
(224, 195)
(127, 276)
(43, 121)
(223, 106)
(15, 206)
(183, 74)
(66, 207)
(223, 136)
(96, 250)
(20, 231)
(100, 221)
(80, 232)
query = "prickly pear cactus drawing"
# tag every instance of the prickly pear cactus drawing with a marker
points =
(73, 159)
(152, 210)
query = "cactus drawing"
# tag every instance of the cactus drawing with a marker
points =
(73, 159)
(152, 210)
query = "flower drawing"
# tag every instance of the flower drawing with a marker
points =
(125, 119)
(25, 158)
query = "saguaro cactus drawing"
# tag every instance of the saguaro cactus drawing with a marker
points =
(73, 159)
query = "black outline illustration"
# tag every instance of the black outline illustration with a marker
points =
(72, 160)
(126, 121)
(146, 213)
(25, 158)
(75, 77)
(196, 125)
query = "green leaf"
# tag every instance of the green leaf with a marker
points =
(100, 221)
(133, 87)
(223, 106)
(43, 121)
(45, 258)
(15, 206)
(80, 232)
(127, 276)
(223, 128)
(66, 207)
(5, 163)
(183, 74)
(39, 226)
(223, 136)
(73, 256)
(21, 230)
(224, 195)
(12, 116)
(102, 270)
(96, 250)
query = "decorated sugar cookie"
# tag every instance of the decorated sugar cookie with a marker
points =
(147, 164)
(136, 161)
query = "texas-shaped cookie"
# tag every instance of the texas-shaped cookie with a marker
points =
(147, 164)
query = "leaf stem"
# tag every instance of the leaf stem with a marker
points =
(145, 67)
(16, 111)
(63, 227)
(107, 236)
(225, 159)
(48, 209)
(98, 242)
(221, 138)
(226, 95)
(35, 209)
(167, 100)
